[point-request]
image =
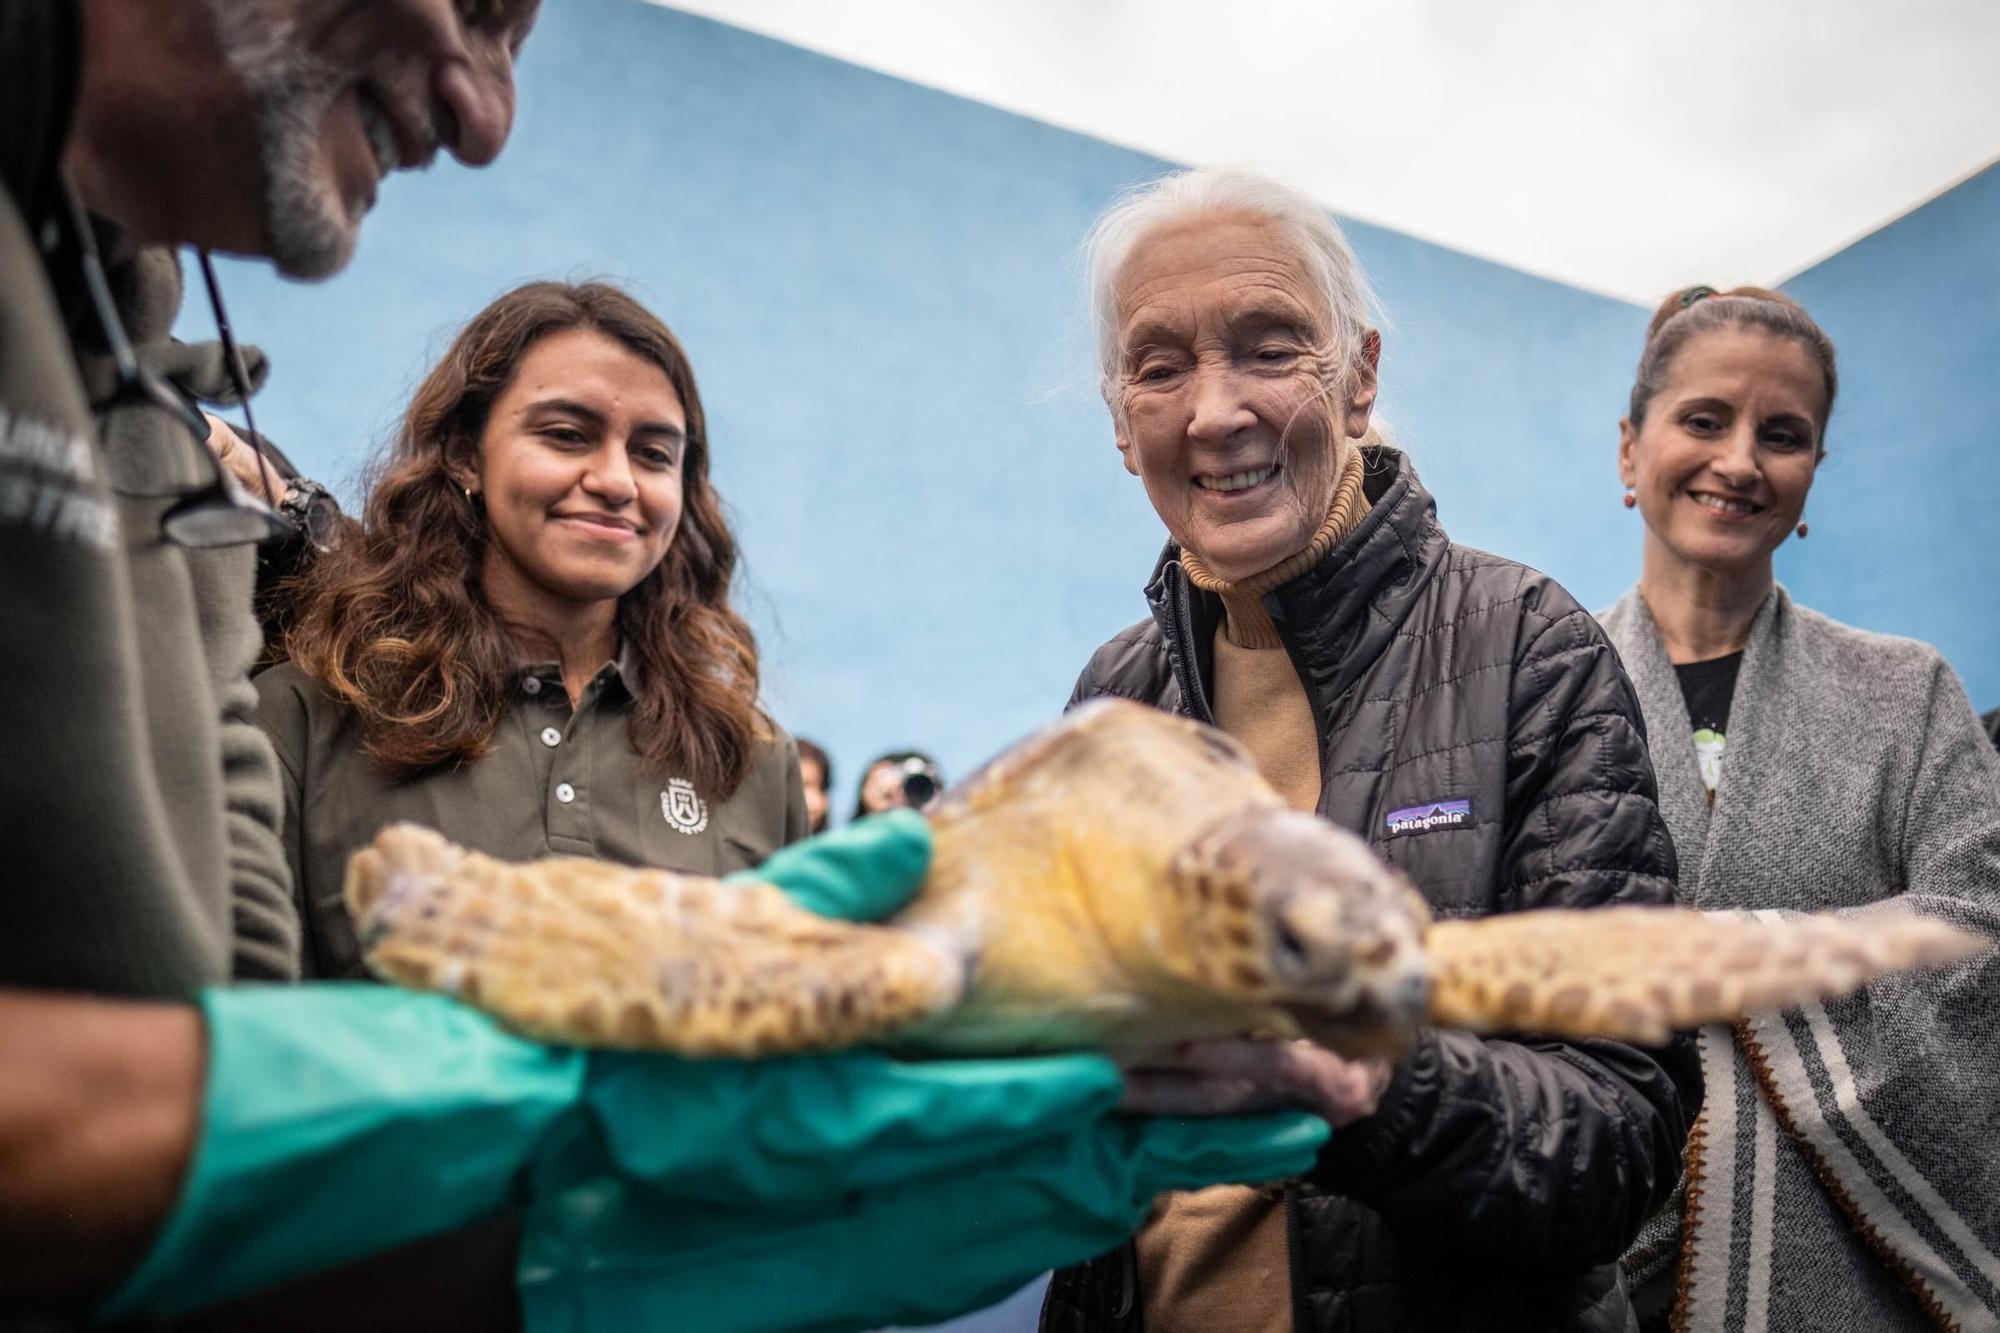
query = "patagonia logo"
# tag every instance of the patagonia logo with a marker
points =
(1454, 813)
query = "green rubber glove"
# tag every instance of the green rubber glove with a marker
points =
(339, 1120)
(816, 1116)
(861, 872)
(775, 1132)
(609, 1255)
(342, 1120)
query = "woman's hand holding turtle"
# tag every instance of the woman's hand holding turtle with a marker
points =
(1233, 1076)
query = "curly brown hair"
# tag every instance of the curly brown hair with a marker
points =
(394, 620)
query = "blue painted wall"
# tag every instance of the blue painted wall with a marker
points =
(1903, 511)
(878, 285)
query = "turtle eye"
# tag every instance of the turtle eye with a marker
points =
(1288, 950)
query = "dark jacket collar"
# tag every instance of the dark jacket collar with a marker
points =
(1338, 616)
(41, 46)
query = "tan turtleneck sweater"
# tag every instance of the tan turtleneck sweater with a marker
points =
(1257, 695)
(1217, 1260)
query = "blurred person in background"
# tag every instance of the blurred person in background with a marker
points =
(528, 642)
(1849, 1166)
(816, 773)
(1309, 603)
(898, 780)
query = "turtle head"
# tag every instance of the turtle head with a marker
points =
(1284, 911)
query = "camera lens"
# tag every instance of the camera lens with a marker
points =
(919, 789)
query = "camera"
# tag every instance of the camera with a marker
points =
(921, 781)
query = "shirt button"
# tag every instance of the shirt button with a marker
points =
(551, 737)
(531, 684)
(565, 793)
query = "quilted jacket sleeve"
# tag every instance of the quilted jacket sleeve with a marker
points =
(1086, 689)
(1543, 1153)
(1131, 665)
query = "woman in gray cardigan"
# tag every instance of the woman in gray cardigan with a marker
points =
(1845, 1172)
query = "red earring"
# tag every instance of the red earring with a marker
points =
(1802, 531)
(1631, 500)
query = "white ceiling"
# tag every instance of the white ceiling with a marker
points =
(1622, 146)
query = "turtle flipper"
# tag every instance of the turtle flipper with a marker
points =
(1638, 973)
(594, 954)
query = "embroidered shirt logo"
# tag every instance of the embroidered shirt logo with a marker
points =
(1454, 813)
(683, 807)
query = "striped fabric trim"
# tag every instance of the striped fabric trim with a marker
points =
(1763, 1218)
(1847, 1104)
(1693, 1173)
(1707, 1304)
(1888, 1230)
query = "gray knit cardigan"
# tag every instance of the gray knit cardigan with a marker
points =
(1845, 1173)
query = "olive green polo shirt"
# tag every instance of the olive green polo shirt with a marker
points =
(558, 782)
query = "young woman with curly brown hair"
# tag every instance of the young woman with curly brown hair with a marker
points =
(527, 641)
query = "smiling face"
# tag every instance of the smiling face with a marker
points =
(1726, 454)
(579, 469)
(338, 95)
(1228, 394)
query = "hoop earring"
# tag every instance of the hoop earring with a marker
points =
(1802, 531)
(1631, 500)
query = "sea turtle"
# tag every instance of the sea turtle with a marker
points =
(1124, 880)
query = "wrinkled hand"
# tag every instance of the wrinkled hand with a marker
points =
(244, 462)
(1235, 1076)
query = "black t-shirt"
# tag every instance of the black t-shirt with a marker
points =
(1708, 687)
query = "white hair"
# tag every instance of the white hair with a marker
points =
(1225, 191)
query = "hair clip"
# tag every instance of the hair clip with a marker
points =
(1693, 294)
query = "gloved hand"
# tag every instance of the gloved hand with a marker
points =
(339, 1120)
(857, 1122)
(342, 1120)
(614, 1255)
(862, 872)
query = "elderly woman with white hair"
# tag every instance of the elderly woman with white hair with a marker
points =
(1459, 711)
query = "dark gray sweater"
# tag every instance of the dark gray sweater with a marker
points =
(140, 804)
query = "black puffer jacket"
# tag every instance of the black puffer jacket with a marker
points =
(1498, 1181)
